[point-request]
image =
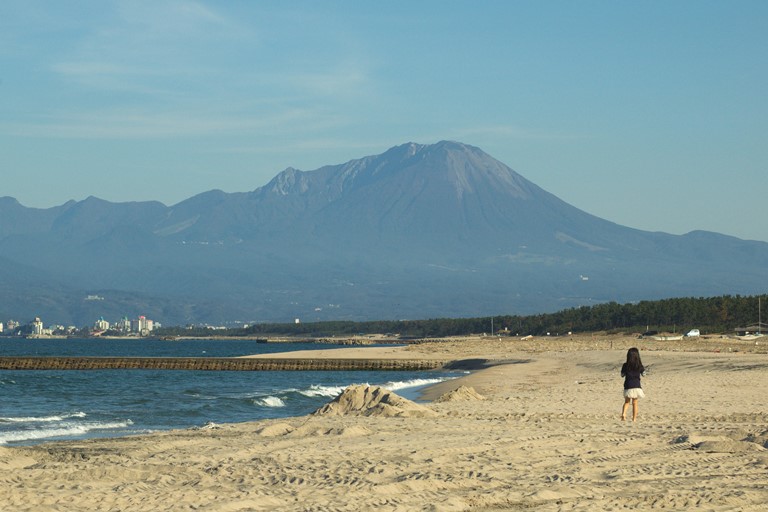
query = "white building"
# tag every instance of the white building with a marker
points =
(142, 325)
(37, 326)
(101, 325)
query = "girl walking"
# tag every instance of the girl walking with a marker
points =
(632, 370)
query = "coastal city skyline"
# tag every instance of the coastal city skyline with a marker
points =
(648, 115)
(139, 326)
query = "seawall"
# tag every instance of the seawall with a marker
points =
(214, 364)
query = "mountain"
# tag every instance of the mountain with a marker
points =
(420, 231)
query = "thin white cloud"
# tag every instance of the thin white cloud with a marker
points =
(309, 144)
(182, 64)
(139, 124)
(502, 131)
(150, 41)
(169, 21)
(94, 68)
(343, 80)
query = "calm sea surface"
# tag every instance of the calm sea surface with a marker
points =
(43, 405)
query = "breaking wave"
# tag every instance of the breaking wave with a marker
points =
(62, 430)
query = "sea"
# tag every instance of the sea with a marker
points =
(46, 405)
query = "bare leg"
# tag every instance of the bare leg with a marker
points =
(624, 409)
(634, 409)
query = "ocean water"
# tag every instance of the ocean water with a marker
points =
(44, 405)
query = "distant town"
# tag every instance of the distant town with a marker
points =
(137, 327)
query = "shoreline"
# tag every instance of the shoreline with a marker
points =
(544, 434)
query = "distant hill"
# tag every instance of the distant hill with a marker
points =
(420, 231)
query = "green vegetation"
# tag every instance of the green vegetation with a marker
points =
(710, 315)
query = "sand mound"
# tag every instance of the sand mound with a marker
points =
(461, 394)
(11, 460)
(311, 429)
(276, 429)
(728, 446)
(722, 444)
(353, 431)
(364, 400)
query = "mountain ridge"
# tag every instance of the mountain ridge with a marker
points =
(417, 231)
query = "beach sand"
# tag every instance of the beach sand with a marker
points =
(540, 432)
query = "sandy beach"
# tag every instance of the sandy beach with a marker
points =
(536, 429)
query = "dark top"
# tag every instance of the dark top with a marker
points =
(631, 378)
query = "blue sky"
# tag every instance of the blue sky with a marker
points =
(650, 114)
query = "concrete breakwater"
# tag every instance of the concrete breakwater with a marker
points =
(214, 364)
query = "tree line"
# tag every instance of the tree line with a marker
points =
(677, 315)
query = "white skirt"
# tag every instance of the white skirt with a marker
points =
(634, 393)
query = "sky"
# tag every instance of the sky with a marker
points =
(650, 114)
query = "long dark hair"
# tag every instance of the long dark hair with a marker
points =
(633, 360)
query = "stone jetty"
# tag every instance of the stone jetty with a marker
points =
(214, 364)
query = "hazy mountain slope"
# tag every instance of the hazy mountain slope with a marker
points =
(18, 219)
(418, 231)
